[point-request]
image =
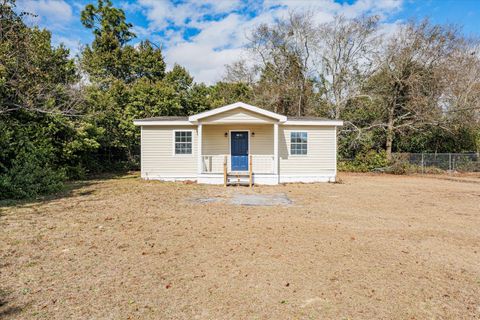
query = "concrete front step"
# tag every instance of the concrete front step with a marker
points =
(238, 179)
(241, 183)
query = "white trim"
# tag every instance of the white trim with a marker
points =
(265, 179)
(307, 178)
(199, 148)
(235, 105)
(141, 152)
(173, 143)
(230, 146)
(336, 150)
(275, 149)
(313, 123)
(169, 178)
(290, 144)
(162, 123)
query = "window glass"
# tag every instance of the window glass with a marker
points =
(183, 142)
(298, 143)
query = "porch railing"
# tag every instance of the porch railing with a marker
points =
(261, 164)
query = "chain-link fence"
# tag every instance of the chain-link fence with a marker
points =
(450, 162)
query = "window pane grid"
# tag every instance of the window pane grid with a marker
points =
(183, 142)
(298, 143)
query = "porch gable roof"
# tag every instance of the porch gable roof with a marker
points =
(209, 113)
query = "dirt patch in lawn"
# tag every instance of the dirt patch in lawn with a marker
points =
(243, 198)
(372, 247)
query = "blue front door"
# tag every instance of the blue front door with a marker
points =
(239, 150)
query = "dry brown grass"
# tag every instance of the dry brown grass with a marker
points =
(372, 247)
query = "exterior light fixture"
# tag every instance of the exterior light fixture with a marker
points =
(253, 134)
(225, 134)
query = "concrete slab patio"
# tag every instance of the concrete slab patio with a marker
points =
(248, 199)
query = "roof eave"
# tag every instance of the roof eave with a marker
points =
(162, 123)
(336, 123)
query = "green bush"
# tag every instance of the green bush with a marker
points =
(400, 167)
(31, 174)
(365, 162)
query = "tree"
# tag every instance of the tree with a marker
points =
(461, 96)
(34, 75)
(179, 78)
(106, 58)
(223, 93)
(281, 53)
(410, 80)
(344, 58)
(105, 19)
(127, 82)
(148, 62)
(42, 137)
(304, 68)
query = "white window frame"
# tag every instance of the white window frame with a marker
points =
(308, 144)
(173, 144)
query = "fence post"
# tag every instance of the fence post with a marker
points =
(450, 162)
(423, 170)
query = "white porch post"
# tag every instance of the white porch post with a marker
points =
(199, 148)
(275, 148)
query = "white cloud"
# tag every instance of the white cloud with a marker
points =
(54, 15)
(162, 13)
(219, 43)
(379, 7)
(220, 40)
(222, 25)
(72, 44)
(51, 13)
(203, 62)
(130, 6)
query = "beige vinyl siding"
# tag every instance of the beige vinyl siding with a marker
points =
(321, 155)
(157, 153)
(158, 158)
(215, 142)
(238, 115)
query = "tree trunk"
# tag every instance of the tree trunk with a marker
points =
(337, 111)
(298, 106)
(389, 139)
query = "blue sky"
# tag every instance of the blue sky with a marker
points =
(206, 35)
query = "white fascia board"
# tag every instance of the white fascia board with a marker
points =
(335, 123)
(163, 123)
(235, 105)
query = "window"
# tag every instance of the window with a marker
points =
(298, 143)
(183, 142)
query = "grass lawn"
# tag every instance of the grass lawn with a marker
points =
(371, 247)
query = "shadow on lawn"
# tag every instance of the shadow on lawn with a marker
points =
(70, 190)
(7, 310)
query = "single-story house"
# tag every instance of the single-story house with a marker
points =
(227, 144)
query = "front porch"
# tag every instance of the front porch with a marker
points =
(238, 153)
(217, 169)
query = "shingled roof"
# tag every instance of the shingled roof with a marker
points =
(166, 118)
